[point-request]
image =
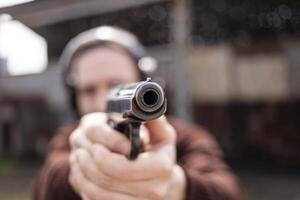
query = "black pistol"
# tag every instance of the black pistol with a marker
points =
(137, 103)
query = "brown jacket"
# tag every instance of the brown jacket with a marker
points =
(208, 177)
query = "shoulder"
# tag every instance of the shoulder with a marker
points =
(60, 140)
(186, 128)
(192, 137)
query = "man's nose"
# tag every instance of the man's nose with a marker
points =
(100, 99)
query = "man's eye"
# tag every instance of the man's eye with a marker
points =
(87, 91)
(114, 83)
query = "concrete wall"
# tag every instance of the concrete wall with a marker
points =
(210, 75)
(47, 84)
(218, 74)
(261, 78)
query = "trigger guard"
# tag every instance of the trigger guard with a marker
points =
(134, 128)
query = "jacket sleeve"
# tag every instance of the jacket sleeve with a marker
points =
(52, 181)
(208, 177)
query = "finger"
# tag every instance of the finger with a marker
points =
(161, 131)
(72, 180)
(148, 165)
(145, 137)
(98, 131)
(110, 138)
(84, 196)
(152, 188)
(72, 158)
(98, 117)
(96, 176)
(94, 192)
(77, 139)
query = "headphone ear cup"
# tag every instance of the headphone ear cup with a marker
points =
(72, 99)
(73, 103)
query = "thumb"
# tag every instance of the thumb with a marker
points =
(161, 131)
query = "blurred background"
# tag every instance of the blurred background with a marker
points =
(232, 66)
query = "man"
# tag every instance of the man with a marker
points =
(88, 160)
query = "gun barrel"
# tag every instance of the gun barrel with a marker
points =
(143, 100)
(149, 97)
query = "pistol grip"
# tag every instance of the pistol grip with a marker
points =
(134, 136)
(131, 128)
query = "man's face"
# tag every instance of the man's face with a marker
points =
(96, 71)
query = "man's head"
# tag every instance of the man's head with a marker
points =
(96, 71)
(97, 60)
